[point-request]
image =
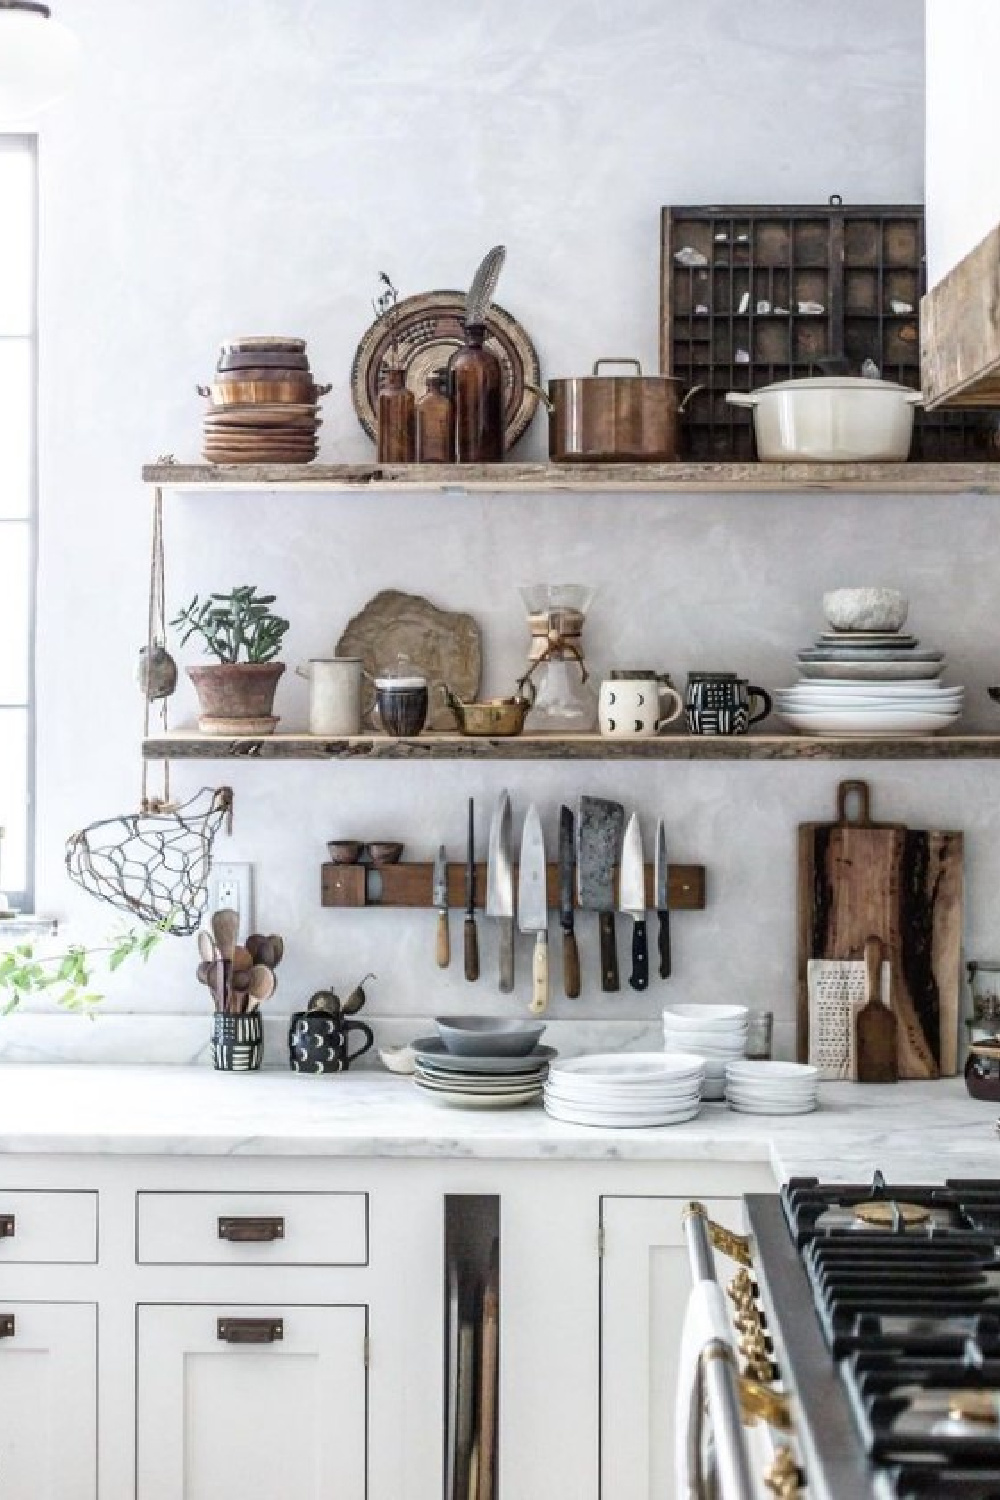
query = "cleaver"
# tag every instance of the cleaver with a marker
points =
(601, 825)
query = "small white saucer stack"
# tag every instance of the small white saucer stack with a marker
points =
(771, 1088)
(625, 1089)
(718, 1033)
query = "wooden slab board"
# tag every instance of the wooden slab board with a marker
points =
(858, 879)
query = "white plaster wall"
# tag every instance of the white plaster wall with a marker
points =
(229, 168)
(963, 117)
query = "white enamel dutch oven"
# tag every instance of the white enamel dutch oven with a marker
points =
(832, 419)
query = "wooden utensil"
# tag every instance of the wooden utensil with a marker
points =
(876, 1027)
(207, 950)
(225, 926)
(261, 985)
(858, 878)
(242, 959)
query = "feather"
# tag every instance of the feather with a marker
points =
(484, 284)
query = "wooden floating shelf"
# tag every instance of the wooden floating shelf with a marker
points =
(411, 885)
(913, 478)
(755, 747)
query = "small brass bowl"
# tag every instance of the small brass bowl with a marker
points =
(501, 717)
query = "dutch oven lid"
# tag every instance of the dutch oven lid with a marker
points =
(834, 383)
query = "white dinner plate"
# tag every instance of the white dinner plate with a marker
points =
(481, 1101)
(629, 1066)
(861, 722)
(772, 1109)
(617, 1122)
(776, 1068)
(706, 1017)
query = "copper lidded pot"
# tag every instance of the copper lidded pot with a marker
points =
(607, 419)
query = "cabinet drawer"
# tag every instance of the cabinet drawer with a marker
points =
(48, 1227)
(251, 1229)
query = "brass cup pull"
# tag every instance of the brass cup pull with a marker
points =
(7, 1326)
(250, 1330)
(251, 1231)
(7, 1226)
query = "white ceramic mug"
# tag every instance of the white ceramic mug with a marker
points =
(633, 707)
(334, 695)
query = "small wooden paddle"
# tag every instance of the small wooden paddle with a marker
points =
(876, 1025)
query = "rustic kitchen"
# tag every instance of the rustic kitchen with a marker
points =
(499, 728)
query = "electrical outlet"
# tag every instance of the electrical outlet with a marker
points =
(231, 886)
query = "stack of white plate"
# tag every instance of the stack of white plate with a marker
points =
(771, 1088)
(479, 1082)
(869, 682)
(625, 1089)
(718, 1033)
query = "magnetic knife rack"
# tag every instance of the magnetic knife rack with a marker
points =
(411, 884)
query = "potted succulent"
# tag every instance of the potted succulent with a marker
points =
(236, 696)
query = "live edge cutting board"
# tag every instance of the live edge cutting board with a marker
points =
(859, 879)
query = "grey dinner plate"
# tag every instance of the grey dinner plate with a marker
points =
(866, 653)
(430, 1049)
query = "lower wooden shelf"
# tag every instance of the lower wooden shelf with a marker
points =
(755, 747)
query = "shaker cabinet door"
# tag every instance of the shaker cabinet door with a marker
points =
(251, 1403)
(645, 1283)
(48, 1401)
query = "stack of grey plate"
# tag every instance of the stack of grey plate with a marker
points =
(483, 1062)
(866, 676)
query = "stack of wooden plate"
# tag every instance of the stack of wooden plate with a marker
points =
(263, 404)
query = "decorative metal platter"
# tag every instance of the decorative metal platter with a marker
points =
(430, 330)
(446, 647)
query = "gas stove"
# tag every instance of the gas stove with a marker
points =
(896, 1375)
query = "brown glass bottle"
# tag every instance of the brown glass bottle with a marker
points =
(397, 424)
(436, 422)
(477, 392)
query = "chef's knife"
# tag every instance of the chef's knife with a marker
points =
(533, 906)
(440, 899)
(500, 888)
(601, 826)
(632, 900)
(567, 901)
(471, 932)
(661, 880)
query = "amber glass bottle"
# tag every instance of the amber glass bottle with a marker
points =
(476, 382)
(397, 423)
(436, 421)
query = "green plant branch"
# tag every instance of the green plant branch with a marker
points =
(24, 974)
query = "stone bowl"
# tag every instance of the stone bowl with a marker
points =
(489, 1036)
(865, 609)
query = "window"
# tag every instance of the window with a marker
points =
(18, 337)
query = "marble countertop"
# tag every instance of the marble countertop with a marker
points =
(917, 1132)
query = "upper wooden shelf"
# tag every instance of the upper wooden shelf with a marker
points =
(423, 747)
(962, 478)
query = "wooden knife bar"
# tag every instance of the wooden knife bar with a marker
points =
(411, 885)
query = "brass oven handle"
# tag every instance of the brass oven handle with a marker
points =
(7, 1326)
(735, 1246)
(248, 1231)
(250, 1330)
(760, 1403)
(8, 1226)
(783, 1477)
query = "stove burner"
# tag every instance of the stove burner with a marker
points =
(888, 1214)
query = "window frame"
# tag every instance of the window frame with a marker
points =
(23, 899)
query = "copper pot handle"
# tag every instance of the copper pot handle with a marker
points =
(543, 396)
(609, 360)
(692, 392)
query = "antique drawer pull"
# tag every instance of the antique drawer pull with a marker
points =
(7, 1325)
(250, 1330)
(7, 1227)
(251, 1231)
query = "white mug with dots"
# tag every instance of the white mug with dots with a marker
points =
(634, 705)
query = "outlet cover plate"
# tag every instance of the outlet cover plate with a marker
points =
(231, 885)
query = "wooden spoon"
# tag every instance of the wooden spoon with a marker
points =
(203, 970)
(242, 960)
(277, 949)
(207, 951)
(876, 1025)
(217, 983)
(262, 984)
(226, 925)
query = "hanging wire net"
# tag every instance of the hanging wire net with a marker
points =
(153, 865)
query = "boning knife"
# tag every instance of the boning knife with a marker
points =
(661, 880)
(533, 906)
(500, 888)
(440, 899)
(632, 900)
(567, 902)
(471, 931)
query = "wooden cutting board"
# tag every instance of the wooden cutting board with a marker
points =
(858, 878)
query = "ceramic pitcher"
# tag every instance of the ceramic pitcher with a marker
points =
(334, 695)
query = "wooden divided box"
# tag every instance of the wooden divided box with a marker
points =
(751, 295)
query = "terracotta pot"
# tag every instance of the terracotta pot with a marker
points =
(236, 698)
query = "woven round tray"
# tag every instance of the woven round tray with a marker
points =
(430, 330)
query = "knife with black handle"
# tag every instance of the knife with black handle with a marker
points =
(471, 931)
(661, 880)
(632, 900)
(567, 903)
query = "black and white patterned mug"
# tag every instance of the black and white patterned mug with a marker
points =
(318, 1042)
(722, 703)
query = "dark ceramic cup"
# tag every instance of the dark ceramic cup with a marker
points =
(722, 703)
(319, 1042)
(238, 1042)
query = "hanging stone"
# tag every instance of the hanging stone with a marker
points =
(156, 674)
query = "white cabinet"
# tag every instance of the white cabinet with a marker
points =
(645, 1282)
(48, 1401)
(251, 1402)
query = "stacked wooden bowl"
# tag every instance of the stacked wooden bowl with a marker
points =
(263, 404)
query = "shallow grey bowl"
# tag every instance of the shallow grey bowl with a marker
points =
(866, 609)
(489, 1036)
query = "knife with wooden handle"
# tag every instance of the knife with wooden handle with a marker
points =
(440, 899)
(471, 931)
(567, 903)
(500, 888)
